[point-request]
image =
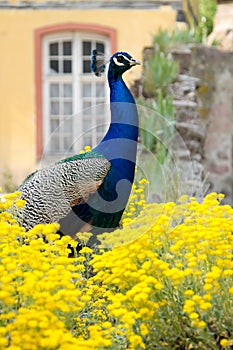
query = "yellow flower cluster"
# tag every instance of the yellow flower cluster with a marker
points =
(42, 291)
(166, 283)
(86, 149)
(136, 202)
(172, 284)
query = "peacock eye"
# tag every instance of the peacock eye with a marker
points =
(120, 59)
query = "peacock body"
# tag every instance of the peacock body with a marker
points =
(89, 191)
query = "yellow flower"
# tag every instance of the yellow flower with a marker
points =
(143, 181)
(84, 236)
(194, 316)
(208, 286)
(205, 305)
(189, 292)
(3, 342)
(224, 343)
(12, 196)
(20, 203)
(136, 341)
(86, 250)
(87, 148)
(207, 297)
(201, 324)
(144, 329)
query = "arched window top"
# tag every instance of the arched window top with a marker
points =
(81, 27)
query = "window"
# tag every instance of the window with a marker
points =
(75, 110)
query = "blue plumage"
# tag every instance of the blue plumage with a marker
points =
(104, 209)
(90, 191)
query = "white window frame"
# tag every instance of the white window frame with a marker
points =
(77, 78)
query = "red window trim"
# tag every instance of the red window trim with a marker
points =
(38, 36)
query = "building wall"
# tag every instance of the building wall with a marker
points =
(134, 29)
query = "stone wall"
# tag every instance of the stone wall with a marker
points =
(189, 143)
(214, 68)
(204, 114)
(203, 99)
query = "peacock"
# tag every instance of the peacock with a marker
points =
(89, 191)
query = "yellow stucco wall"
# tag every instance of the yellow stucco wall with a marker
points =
(135, 29)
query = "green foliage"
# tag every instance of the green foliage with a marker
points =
(165, 41)
(159, 72)
(156, 123)
(157, 128)
(207, 11)
(162, 41)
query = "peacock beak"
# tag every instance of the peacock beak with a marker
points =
(134, 62)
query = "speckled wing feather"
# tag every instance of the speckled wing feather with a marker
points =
(52, 192)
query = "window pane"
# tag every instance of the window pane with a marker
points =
(100, 126)
(68, 146)
(67, 48)
(67, 66)
(54, 66)
(100, 47)
(100, 109)
(87, 66)
(68, 125)
(54, 108)
(87, 90)
(86, 124)
(68, 108)
(67, 90)
(87, 140)
(53, 49)
(100, 90)
(86, 107)
(54, 124)
(55, 143)
(101, 121)
(100, 129)
(86, 48)
(54, 90)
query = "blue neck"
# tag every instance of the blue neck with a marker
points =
(122, 134)
(119, 92)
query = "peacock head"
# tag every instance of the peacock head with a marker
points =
(119, 63)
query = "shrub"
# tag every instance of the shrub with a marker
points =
(157, 123)
(159, 72)
(166, 283)
(164, 41)
(155, 156)
(207, 11)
